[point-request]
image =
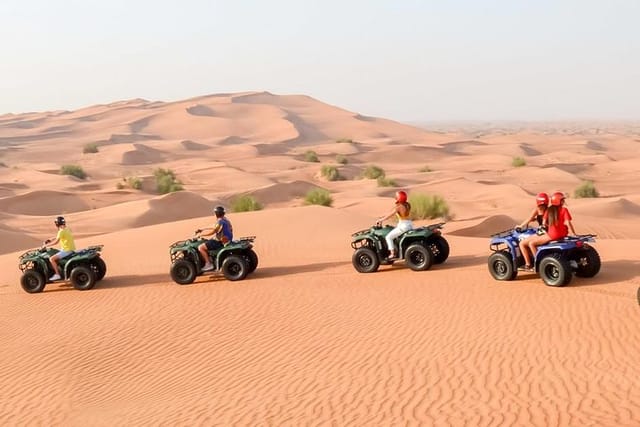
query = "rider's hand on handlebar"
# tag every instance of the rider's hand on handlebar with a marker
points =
(198, 231)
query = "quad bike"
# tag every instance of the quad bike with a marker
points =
(83, 268)
(235, 260)
(420, 248)
(555, 262)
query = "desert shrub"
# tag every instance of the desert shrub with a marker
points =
(311, 156)
(120, 185)
(373, 172)
(134, 182)
(386, 182)
(245, 203)
(73, 170)
(426, 206)
(318, 196)
(342, 159)
(425, 169)
(586, 190)
(345, 141)
(166, 181)
(92, 147)
(330, 172)
(518, 162)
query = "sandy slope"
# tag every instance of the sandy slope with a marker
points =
(306, 339)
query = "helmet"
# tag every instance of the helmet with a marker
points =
(542, 199)
(60, 221)
(219, 211)
(557, 198)
(401, 196)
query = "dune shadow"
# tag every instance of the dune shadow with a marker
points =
(129, 280)
(264, 272)
(611, 271)
(462, 261)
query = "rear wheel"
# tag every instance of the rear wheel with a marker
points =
(234, 268)
(99, 268)
(32, 281)
(365, 260)
(418, 258)
(501, 266)
(83, 278)
(555, 270)
(252, 260)
(440, 249)
(183, 272)
(588, 261)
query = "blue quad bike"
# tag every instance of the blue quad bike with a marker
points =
(556, 262)
(420, 248)
(83, 268)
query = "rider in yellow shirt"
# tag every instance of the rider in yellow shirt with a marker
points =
(67, 245)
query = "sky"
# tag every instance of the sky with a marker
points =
(408, 60)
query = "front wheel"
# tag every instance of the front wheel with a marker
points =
(183, 272)
(83, 278)
(555, 270)
(588, 261)
(234, 268)
(365, 260)
(418, 258)
(32, 281)
(501, 266)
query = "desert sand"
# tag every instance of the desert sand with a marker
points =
(306, 340)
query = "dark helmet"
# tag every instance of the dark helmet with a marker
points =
(219, 211)
(60, 221)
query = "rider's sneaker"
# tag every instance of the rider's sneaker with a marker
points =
(55, 277)
(207, 267)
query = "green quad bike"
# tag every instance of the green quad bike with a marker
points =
(83, 268)
(235, 260)
(420, 248)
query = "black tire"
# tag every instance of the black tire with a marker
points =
(32, 281)
(183, 272)
(440, 249)
(99, 267)
(252, 260)
(418, 258)
(365, 260)
(588, 261)
(555, 270)
(235, 268)
(501, 266)
(83, 277)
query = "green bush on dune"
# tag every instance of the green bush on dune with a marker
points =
(518, 162)
(245, 203)
(166, 181)
(318, 196)
(331, 173)
(73, 170)
(426, 206)
(345, 141)
(386, 182)
(373, 172)
(90, 148)
(342, 159)
(586, 190)
(311, 156)
(425, 169)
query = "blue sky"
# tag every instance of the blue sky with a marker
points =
(406, 60)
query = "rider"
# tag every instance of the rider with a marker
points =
(67, 245)
(223, 232)
(558, 221)
(402, 210)
(542, 203)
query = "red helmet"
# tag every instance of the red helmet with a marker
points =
(401, 196)
(542, 199)
(557, 198)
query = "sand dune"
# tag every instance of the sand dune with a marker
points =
(306, 339)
